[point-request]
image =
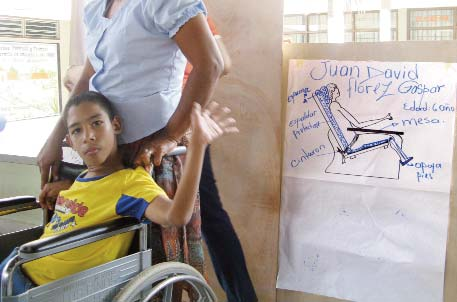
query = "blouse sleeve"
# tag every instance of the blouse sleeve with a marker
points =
(168, 16)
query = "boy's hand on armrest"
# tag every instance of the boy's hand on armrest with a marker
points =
(50, 192)
(211, 123)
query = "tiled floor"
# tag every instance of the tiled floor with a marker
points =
(19, 221)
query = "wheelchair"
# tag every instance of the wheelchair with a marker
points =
(130, 278)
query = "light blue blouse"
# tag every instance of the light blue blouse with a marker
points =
(137, 64)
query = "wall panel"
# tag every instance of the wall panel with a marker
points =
(247, 165)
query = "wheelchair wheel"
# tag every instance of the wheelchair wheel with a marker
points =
(160, 279)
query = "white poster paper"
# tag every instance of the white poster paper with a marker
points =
(366, 179)
(29, 80)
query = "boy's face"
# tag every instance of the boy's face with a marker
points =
(91, 133)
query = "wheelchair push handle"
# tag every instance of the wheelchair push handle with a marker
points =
(180, 150)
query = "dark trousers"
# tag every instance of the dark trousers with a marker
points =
(223, 243)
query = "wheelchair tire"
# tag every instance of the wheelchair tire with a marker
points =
(160, 273)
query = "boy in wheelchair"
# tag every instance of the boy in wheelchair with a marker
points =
(107, 190)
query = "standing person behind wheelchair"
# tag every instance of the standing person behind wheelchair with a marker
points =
(137, 52)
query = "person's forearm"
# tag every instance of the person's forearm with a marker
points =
(199, 88)
(59, 131)
(183, 202)
(81, 86)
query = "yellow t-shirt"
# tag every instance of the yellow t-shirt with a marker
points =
(88, 202)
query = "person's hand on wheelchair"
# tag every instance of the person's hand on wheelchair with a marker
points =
(50, 191)
(155, 147)
(207, 125)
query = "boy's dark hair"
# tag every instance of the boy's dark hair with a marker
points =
(91, 97)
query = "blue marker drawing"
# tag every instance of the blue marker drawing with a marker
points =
(390, 125)
(304, 91)
(425, 171)
(350, 138)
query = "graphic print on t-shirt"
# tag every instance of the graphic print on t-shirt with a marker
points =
(66, 207)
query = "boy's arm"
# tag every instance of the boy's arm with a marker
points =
(178, 211)
(206, 127)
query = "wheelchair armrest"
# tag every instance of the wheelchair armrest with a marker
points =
(62, 242)
(17, 204)
(375, 131)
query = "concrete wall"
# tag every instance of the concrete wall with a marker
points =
(18, 179)
(247, 165)
(389, 51)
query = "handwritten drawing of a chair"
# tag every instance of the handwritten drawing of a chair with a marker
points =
(349, 137)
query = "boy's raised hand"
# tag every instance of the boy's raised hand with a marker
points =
(210, 123)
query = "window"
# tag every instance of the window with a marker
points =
(432, 24)
(305, 29)
(29, 71)
(29, 80)
(294, 38)
(361, 26)
(317, 28)
(294, 29)
(394, 25)
(29, 28)
(364, 26)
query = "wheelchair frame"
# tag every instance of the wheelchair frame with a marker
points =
(129, 278)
